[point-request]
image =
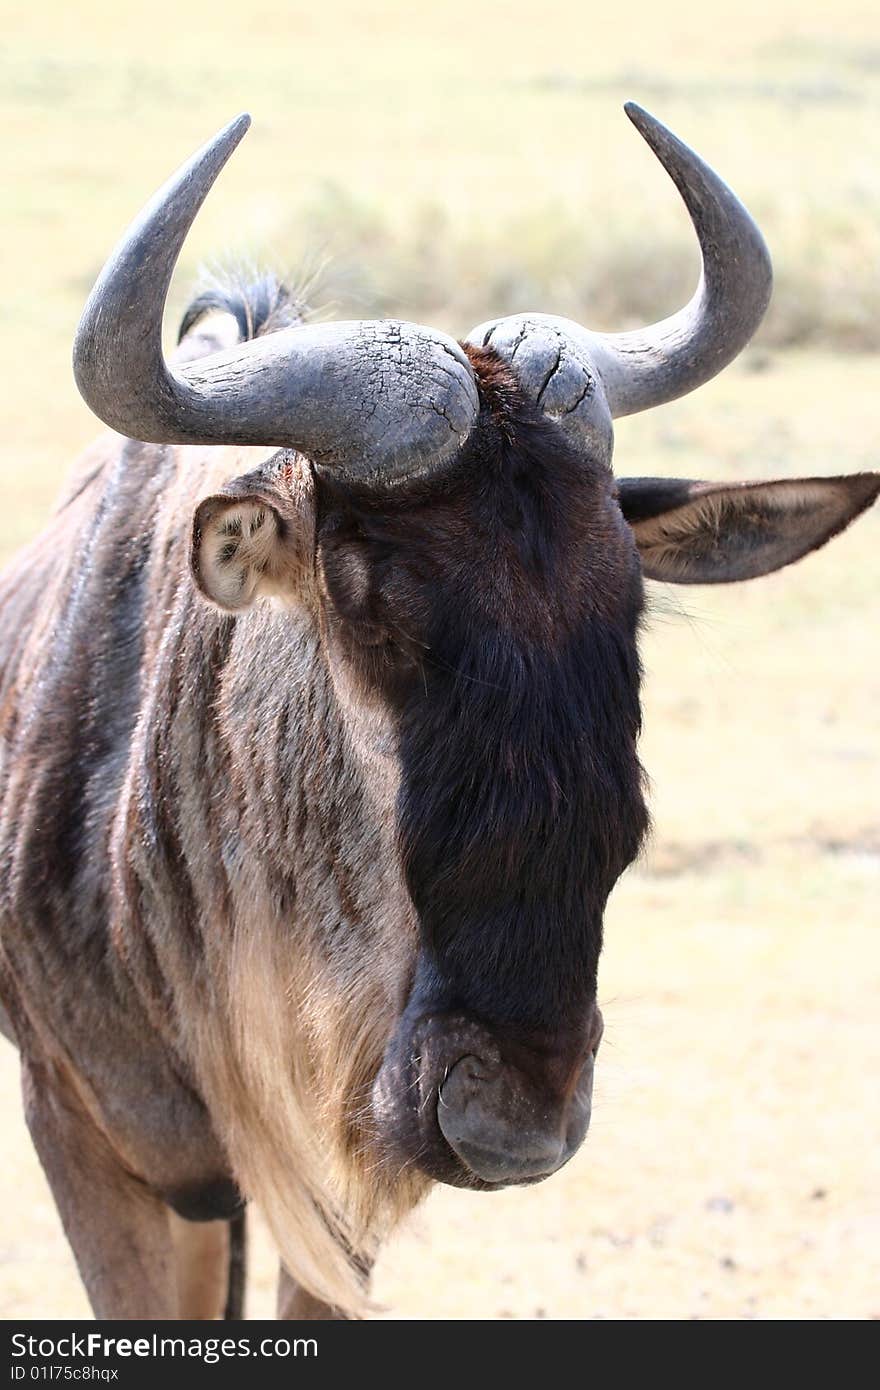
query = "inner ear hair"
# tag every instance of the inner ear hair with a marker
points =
(256, 536)
(235, 549)
(691, 532)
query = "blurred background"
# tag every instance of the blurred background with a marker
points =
(455, 162)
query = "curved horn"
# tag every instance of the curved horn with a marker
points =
(375, 398)
(654, 365)
(557, 359)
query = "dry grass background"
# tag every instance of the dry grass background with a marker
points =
(464, 162)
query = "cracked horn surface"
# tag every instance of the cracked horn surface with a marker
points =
(553, 362)
(374, 397)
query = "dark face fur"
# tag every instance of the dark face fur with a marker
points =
(493, 612)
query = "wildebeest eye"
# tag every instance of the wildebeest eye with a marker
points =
(349, 577)
(352, 588)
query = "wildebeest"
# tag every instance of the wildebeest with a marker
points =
(302, 885)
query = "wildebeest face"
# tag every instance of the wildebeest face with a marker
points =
(447, 513)
(493, 611)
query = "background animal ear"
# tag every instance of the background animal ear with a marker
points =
(715, 533)
(254, 537)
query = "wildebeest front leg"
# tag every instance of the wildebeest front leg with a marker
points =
(294, 1304)
(120, 1233)
(203, 1252)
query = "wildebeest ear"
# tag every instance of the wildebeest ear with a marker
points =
(714, 533)
(247, 540)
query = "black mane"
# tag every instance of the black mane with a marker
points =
(520, 800)
(260, 304)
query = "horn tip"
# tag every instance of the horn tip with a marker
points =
(238, 127)
(215, 153)
(646, 124)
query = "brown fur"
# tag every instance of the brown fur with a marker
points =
(156, 856)
(264, 1048)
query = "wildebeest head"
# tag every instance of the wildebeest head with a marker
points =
(477, 580)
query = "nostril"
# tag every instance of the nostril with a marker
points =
(465, 1082)
(471, 1069)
